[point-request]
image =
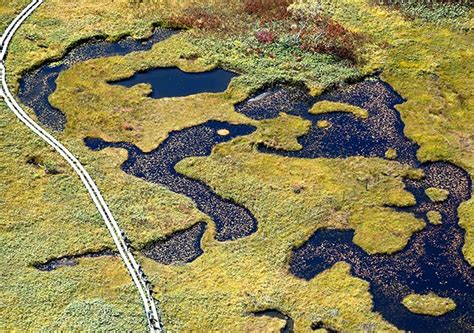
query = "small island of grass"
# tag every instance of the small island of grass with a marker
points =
(429, 304)
(434, 217)
(437, 194)
(328, 106)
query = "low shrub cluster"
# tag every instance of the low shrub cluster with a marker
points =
(281, 24)
(267, 10)
(199, 17)
(328, 36)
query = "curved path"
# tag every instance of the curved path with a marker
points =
(117, 234)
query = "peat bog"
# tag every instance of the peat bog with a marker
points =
(70, 260)
(232, 220)
(179, 248)
(431, 262)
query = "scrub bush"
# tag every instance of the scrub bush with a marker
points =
(267, 9)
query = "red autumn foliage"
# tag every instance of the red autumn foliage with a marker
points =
(197, 17)
(330, 37)
(265, 36)
(267, 9)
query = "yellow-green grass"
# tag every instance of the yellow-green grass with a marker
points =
(429, 304)
(44, 216)
(391, 153)
(333, 193)
(429, 65)
(384, 230)
(95, 108)
(328, 106)
(437, 194)
(434, 217)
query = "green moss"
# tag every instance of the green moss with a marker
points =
(429, 304)
(466, 221)
(437, 194)
(291, 198)
(44, 216)
(328, 106)
(323, 124)
(384, 230)
(434, 217)
(282, 132)
(391, 153)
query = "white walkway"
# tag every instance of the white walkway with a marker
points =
(135, 271)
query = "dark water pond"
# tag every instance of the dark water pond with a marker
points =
(432, 261)
(232, 220)
(37, 85)
(70, 260)
(181, 247)
(173, 82)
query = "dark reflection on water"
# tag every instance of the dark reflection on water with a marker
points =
(173, 82)
(37, 85)
(232, 220)
(432, 261)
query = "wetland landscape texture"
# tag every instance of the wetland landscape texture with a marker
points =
(274, 165)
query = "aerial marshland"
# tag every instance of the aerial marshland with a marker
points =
(275, 165)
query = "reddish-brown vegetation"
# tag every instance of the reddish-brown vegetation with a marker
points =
(204, 18)
(265, 36)
(267, 9)
(328, 36)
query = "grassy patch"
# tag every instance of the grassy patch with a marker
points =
(437, 194)
(328, 106)
(427, 63)
(434, 217)
(429, 304)
(384, 230)
(45, 215)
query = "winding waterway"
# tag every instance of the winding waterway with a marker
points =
(432, 261)
(232, 220)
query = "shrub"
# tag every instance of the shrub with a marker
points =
(267, 9)
(197, 17)
(330, 37)
(265, 36)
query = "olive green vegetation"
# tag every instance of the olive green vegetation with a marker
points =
(434, 217)
(384, 230)
(125, 114)
(391, 153)
(323, 123)
(429, 304)
(54, 217)
(437, 194)
(328, 106)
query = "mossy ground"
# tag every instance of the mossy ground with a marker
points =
(437, 194)
(429, 304)
(429, 66)
(327, 107)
